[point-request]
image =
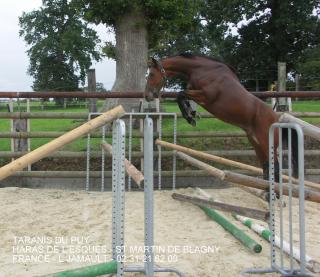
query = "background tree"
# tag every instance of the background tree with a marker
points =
(309, 69)
(139, 25)
(265, 32)
(61, 46)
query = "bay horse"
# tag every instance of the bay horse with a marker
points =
(216, 87)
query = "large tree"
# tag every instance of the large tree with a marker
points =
(61, 46)
(139, 25)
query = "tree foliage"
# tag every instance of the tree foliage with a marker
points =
(170, 23)
(61, 45)
(309, 69)
(268, 31)
(251, 35)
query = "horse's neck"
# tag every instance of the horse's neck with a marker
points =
(177, 66)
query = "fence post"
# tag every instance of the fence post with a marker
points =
(92, 88)
(42, 104)
(297, 83)
(18, 125)
(284, 104)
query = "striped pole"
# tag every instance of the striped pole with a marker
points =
(228, 226)
(232, 229)
(312, 265)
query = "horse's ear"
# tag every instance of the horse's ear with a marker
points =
(154, 62)
(150, 62)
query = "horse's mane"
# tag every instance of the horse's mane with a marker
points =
(190, 56)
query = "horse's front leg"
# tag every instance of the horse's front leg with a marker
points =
(187, 112)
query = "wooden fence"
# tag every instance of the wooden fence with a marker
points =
(135, 134)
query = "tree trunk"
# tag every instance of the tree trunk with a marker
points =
(131, 58)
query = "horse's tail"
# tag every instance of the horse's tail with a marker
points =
(294, 149)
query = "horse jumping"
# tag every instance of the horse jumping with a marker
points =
(216, 87)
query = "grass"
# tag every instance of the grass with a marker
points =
(306, 106)
(204, 124)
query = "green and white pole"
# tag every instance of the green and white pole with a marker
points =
(311, 264)
(88, 271)
(228, 226)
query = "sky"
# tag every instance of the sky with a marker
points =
(13, 58)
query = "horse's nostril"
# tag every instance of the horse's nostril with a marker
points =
(148, 98)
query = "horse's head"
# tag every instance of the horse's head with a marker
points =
(156, 79)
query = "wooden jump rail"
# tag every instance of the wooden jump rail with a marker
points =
(139, 94)
(252, 213)
(58, 143)
(131, 170)
(308, 129)
(248, 181)
(225, 161)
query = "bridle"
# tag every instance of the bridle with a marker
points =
(163, 75)
(162, 71)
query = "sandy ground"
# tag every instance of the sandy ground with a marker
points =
(50, 226)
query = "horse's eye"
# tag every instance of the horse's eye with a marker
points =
(148, 73)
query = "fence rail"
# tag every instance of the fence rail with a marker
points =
(136, 94)
(136, 134)
(98, 174)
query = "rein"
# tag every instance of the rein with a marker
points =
(163, 75)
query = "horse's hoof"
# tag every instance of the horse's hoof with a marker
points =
(193, 122)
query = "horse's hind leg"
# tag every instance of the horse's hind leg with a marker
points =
(261, 148)
(261, 155)
(261, 145)
(263, 159)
